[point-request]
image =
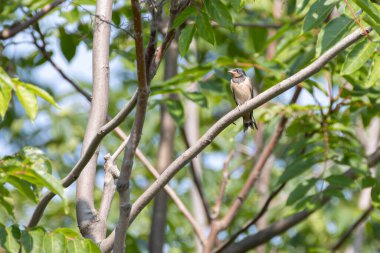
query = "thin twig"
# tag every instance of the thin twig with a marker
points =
(253, 221)
(349, 231)
(196, 179)
(232, 116)
(11, 31)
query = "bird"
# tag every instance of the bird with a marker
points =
(242, 91)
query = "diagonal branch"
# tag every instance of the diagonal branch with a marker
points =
(18, 27)
(347, 234)
(254, 220)
(74, 173)
(233, 115)
(281, 226)
(230, 117)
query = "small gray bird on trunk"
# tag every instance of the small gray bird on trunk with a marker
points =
(242, 91)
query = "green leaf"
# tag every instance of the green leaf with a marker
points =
(11, 240)
(5, 80)
(175, 109)
(32, 240)
(92, 247)
(77, 246)
(5, 98)
(375, 195)
(318, 13)
(6, 201)
(41, 93)
(358, 56)
(54, 243)
(300, 191)
(184, 15)
(28, 101)
(197, 98)
(374, 74)
(68, 44)
(219, 12)
(369, 8)
(339, 180)
(257, 38)
(372, 23)
(185, 39)
(23, 187)
(335, 30)
(368, 181)
(204, 28)
(300, 165)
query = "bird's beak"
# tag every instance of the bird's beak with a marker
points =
(231, 71)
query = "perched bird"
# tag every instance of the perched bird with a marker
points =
(242, 91)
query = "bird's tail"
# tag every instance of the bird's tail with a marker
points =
(249, 121)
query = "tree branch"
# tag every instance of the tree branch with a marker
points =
(77, 169)
(18, 27)
(233, 115)
(142, 102)
(230, 117)
(347, 234)
(279, 227)
(87, 217)
(254, 220)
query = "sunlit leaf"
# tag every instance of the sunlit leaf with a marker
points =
(185, 39)
(54, 243)
(219, 12)
(28, 100)
(32, 240)
(318, 13)
(369, 8)
(374, 74)
(358, 55)
(197, 98)
(184, 15)
(204, 28)
(334, 31)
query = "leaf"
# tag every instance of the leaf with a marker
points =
(76, 246)
(258, 37)
(374, 74)
(32, 240)
(300, 165)
(372, 23)
(358, 56)
(369, 8)
(41, 93)
(204, 28)
(332, 33)
(5, 98)
(54, 243)
(368, 181)
(219, 12)
(68, 44)
(375, 195)
(184, 15)
(196, 97)
(11, 240)
(176, 110)
(5, 80)
(28, 101)
(92, 247)
(339, 180)
(318, 13)
(23, 187)
(300, 191)
(185, 39)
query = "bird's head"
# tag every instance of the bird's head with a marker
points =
(237, 72)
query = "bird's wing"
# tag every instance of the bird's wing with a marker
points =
(233, 93)
(250, 86)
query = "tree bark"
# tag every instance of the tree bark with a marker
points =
(164, 157)
(86, 212)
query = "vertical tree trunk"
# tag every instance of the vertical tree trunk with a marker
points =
(370, 141)
(192, 131)
(164, 158)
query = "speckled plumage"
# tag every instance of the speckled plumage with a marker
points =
(242, 91)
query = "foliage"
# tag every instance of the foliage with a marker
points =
(322, 142)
